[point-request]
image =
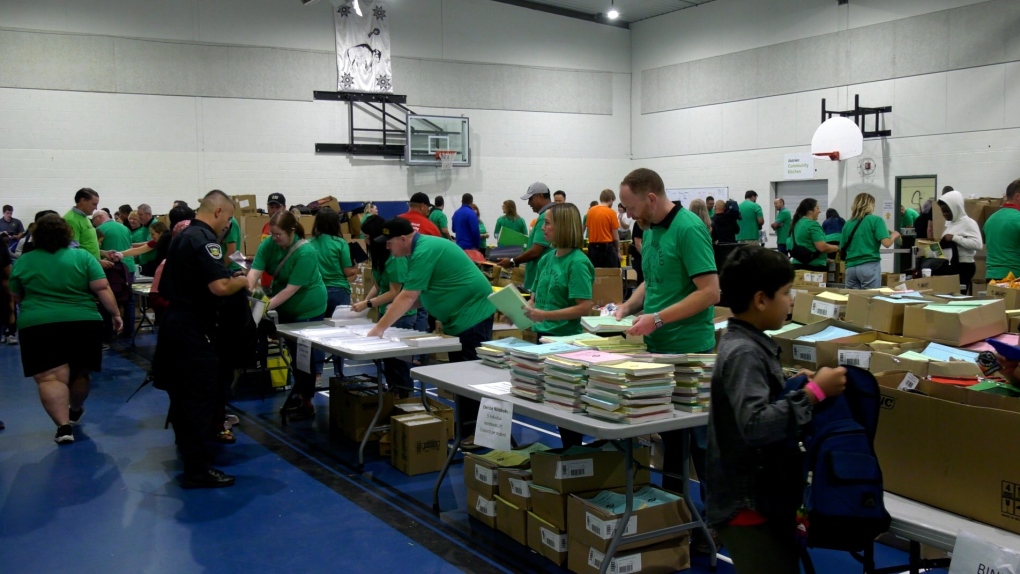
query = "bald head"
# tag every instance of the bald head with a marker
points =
(216, 210)
(100, 217)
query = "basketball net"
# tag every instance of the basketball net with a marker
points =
(446, 158)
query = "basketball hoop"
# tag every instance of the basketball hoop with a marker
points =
(445, 158)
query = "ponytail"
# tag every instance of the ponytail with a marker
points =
(286, 221)
(805, 207)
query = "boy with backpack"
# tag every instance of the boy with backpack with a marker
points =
(755, 468)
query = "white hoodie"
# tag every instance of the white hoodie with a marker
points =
(965, 231)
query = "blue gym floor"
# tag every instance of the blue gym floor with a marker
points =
(110, 502)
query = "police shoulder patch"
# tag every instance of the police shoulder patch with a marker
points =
(214, 250)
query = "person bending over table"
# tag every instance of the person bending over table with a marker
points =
(297, 292)
(564, 289)
(449, 286)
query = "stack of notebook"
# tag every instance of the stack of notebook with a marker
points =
(616, 344)
(494, 353)
(607, 324)
(630, 392)
(566, 377)
(527, 368)
(693, 383)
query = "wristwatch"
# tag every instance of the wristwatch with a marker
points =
(658, 321)
(369, 303)
(512, 262)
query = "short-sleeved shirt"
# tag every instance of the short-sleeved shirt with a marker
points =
(562, 280)
(481, 233)
(142, 235)
(55, 286)
(82, 231)
(465, 228)
(233, 236)
(334, 257)
(674, 252)
(806, 233)
(421, 224)
(867, 241)
(301, 268)
(783, 231)
(193, 261)
(438, 218)
(12, 227)
(517, 224)
(116, 237)
(749, 214)
(601, 223)
(536, 237)
(451, 287)
(907, 218)
(1003, 232)
(395, 271)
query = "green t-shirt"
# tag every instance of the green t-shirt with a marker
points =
(83, 232)
(55, 286)
(517, 224)
(1003, 232)
(806, 233)
(233, 236)
(142, 235)
(867, 241)
(302, 268)
(671, 259)
(395, 271)
(908, 218)
(749, 214)
(438, 218)
(116, 237)
(334, 257)
(451, 287)
(535, 237)
(783, 231)
(561, 282)
(482, 232)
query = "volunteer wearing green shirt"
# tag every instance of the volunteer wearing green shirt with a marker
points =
(60, 328)
(335, 263)
(231, 243)
(1003, 232)
(439, 219)
(82, 231)
(907, 217)
(370, 210)
(808, 240)
(449, 286)
(539, 199)
(297, 291)
(681, 287)
(483, 235)
(782, 225)
(114, 238)
(751, 219)
(510, 220)
(863, 260)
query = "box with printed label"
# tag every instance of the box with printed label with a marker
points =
(244, 204)
(438, 409)
(419, 443)
(803, 278)
(878, 311)
(814, 307)
(515, 486)
(809, 353)
(549, 505)
(856, 351)
(590, 522)
(547, 539)
(972, 475)
(481, 470)
(958, 328)
(352, 407)
(481, 508)
(512, 520)
(941, 285)
(663, 558)
(891, 279)
(608, 287)
(1010, 296)
(586, 468)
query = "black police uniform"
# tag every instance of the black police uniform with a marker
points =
(186, 362)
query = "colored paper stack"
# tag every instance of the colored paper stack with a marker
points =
(527, 368)
(694, 384)
(630, 392)
(617, 344)
(566, 377)
(494, 353)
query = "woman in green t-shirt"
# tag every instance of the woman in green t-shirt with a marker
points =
(482, 233)
(335, 263)
(510, 220)
(808, 239)
(863, 260)
(563, 290)
(297, 294)
(60, 328)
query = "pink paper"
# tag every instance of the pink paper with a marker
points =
(1008, 338)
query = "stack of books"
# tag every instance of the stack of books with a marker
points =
(616, 344)
(607, 324)
(630, 392)
(694, 383)
(527, 368)
(572, 339)
(494, 353)
(566, 377)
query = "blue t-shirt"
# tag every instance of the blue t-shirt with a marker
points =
(465, 228)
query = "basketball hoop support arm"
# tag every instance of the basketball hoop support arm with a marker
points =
(377, 102)
(860, 117)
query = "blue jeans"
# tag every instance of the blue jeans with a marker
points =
(864, 276)
(398, 371)
(336, 296)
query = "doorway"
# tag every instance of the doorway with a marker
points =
(793, 192)
(912, 192)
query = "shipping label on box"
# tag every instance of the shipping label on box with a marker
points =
(1010, 296)
(547, 540)
(813, 355)
(595, 526)
(860, 359)
(419, 443)
(481, 508)
(941, 285)
(515, 486)
(663, 557)
(585, 471)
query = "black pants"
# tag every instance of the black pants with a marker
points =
(398, 371)
(967, 271)
(604, 255)
(470, 340)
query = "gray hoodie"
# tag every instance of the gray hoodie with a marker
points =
(965, 231)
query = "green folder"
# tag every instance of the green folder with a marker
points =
(511, 238)
(511, 303)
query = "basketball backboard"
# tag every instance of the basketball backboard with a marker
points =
(427, 135)
(837, 139)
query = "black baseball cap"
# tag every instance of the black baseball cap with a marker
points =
(396, 227)
(420, 198)
(277, 198)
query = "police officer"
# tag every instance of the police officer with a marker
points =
(194, 281)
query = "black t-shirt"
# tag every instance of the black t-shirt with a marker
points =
(195, 260)
(635, 233)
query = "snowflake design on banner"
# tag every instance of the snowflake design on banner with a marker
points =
(379, 13)
(347, 81)
(344, 11)
(383, 83)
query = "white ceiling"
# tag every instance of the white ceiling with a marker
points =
(630, 10)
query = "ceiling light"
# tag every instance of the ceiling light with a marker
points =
(357, 9)
(612, 14)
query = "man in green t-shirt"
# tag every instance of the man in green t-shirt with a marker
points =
(782, 225)
(907, 217)
(439, 219)
(539, 200)
(82, 231)
(751, 219)
(113, 238)
(1003, 232)
(680, 289)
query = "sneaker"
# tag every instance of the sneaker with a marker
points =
(12, 340)
(301, 414)
(233, 420)
(3, 339)
(75, 416)
(209, 478)
(64, 435)
(224, 437)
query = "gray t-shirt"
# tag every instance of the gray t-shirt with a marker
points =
(12, 227)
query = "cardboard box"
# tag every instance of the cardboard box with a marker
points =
(244, 205)
(414, 405)
(547, 540)
(515, 486)
(354, 224)
(549, 505)
(594, 470)
(885, 363)
(814, 307)
(419, 443)
(251, 227)
(1010, 296)
(328, 201)
(595, 527)
(506, 331)
(956, 330)
(351, 409)
(803, 278)
(608, 287)
(956, 470)
(664, 558)
(517, 276)
(812, 355)
(1014, 323)
(937, 285)
(481, 508)
(512, 520)
(891, 279)
(865, 311)
(481, 471)
(386, 444)
(857, 350)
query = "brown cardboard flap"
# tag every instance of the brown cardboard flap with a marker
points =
(594, 526)
(587, 471)
(956, 330)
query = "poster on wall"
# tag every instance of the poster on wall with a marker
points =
(685, 195)
(363, 47)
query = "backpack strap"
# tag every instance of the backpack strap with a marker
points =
(849, 240)
(290, 252)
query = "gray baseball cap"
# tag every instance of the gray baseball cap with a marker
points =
(537, 188)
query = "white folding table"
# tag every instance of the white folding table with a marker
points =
(462, 380)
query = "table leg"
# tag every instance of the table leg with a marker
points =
(621, 526)
(380, 385)
(144, 321)
(458, 436)
(290, 370)
(713, 551)
(915, 557)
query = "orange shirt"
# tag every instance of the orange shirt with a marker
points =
(601, 222)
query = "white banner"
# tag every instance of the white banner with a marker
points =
(363, 47)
